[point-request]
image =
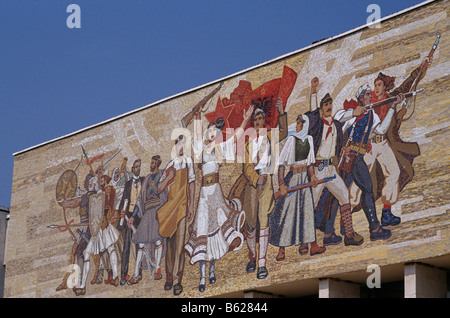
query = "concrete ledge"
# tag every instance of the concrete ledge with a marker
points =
(425, 281)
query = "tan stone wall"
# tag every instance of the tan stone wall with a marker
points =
(38, 256)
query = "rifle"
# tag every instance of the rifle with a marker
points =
(290, 190)
(407, 101)
(187, 119)
(391, 99)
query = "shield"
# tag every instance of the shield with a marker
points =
(66, 187)
(96, 212)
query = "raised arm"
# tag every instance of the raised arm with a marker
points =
(198, 131)
(313, 99)
(247, 114)
(282, 120)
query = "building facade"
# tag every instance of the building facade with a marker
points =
(4, 217)
(188, 197)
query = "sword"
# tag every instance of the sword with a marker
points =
(110, 159)
(301, 186)
(83, 236)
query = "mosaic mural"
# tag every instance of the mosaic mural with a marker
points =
(306, 158)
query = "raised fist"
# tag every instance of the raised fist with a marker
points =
(314, 84)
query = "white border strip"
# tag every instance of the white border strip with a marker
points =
(229, 76)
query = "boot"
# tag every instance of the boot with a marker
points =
(380, 234)
(158, 274)
(316, 249)
(332, 239)
(281, 254)
(350, 236)
(251, 244)
(303, 249)
(133, 280)
(115, 282)
(79, 291)
(158, 256)
(354, 239)
(202, 284)
(212, 276)
(263, 243)
(387, 218)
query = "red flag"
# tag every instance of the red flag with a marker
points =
(264, 97)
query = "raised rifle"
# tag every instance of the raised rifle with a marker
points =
(187, 119)
(391, 99)
(412, 99)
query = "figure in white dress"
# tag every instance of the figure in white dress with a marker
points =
(216, 226)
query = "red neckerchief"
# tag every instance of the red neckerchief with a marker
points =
(353, 104)
(330, 128)
(382, 110)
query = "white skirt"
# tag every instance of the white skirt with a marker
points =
(104, 239)
(215, 227)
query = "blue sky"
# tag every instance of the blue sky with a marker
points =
(127, 54)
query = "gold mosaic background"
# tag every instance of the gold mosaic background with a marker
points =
(37, 257)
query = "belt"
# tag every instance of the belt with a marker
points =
(322, 163)
(210, 179)
(378, 138)
(358, 147)
(299, 168)
(151, 203)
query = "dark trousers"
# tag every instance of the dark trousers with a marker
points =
(126, 252)
(360, 175)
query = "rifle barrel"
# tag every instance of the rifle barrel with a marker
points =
(391, 99)
(303, 186)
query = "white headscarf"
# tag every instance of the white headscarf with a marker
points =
(115, 182)
(287, 154)
(303, 134)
